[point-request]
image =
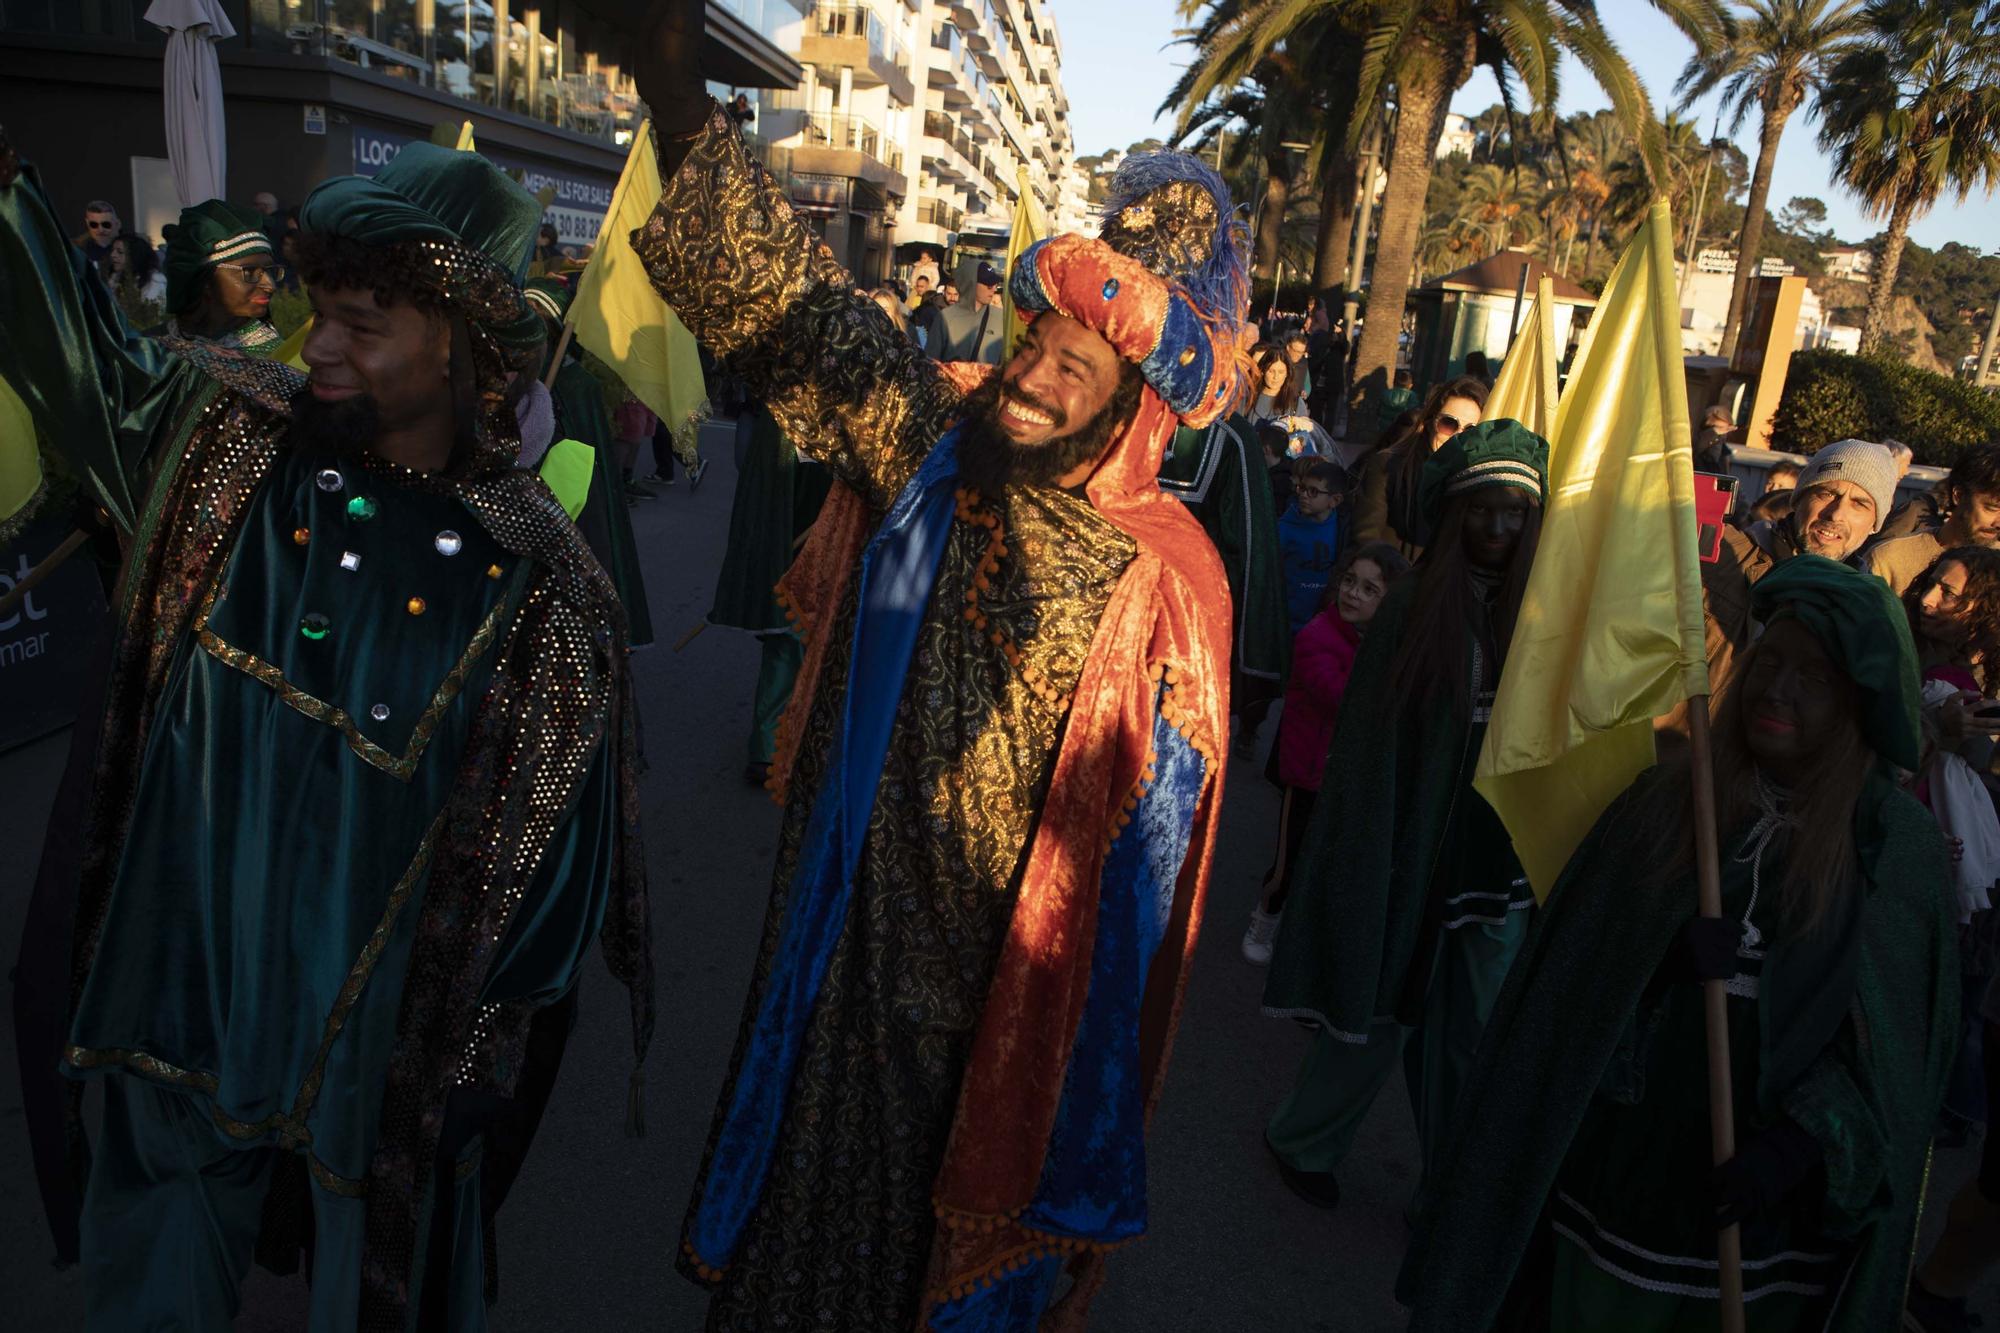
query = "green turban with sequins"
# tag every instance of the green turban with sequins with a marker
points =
(1864, 630)
(1492, 453)
(479, 222)
(207, 234)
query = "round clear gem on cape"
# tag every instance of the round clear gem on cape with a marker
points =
(380, 712)
(448, 542)
(329, 480)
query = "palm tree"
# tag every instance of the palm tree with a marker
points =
(1498, 203)
(1591, 144)
(1909, 113)
(1782, 48)
(1426, 49)
(1303, 73)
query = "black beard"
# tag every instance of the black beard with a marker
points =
(345, 428)
(989, 459)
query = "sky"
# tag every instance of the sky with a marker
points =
(1117, 65)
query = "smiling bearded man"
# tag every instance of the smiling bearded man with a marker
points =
(1000, 767)
(363, 792)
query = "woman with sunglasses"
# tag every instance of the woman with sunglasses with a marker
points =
(220, 277)
(1386, 508)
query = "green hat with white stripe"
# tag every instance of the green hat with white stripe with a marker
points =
(1493, 453)
(208, 234)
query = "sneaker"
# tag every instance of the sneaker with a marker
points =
(1317, 1188)
(634, 491)
(1261, 935)
(1925, 1312)
(658, 479)
(696, 473)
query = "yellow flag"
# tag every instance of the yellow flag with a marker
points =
(464, 144)
(20, 463)
(1029, 226)
(623, 321)
(1610, 631)
(1526, 388)
(292, 351)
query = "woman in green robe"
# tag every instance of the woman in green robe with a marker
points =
(1408, 906)
(1585, 1199)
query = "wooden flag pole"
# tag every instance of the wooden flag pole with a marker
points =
(555, 362)
(70, 545)
(1715, 997)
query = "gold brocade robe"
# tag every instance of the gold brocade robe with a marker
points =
(842, 1233)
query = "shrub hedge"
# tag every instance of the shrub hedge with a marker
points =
(1833, 396)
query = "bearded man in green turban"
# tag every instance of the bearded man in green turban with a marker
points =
(362, 792)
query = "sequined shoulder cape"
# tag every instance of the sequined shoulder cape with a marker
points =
(761, 292)
(559, 689)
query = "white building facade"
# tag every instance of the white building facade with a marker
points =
(914, 125)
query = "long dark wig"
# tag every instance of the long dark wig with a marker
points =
(1821, 867)
(1981, 617)
(1285, 402)
(1431, 660)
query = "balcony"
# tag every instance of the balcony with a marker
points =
(938, 213)
(951, 148)
(838, 144)
(955, 77)
(854, 37)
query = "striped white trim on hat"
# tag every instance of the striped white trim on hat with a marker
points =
(243, 243)
(543, 302)
(1496, 472)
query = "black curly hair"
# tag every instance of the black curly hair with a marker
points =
(1980, 615)
(1976, 472)
(394, 273)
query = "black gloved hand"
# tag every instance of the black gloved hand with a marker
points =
(1705, 950)
(1764, 1171)
(667, 72)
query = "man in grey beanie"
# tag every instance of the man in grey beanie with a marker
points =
(1845, 491)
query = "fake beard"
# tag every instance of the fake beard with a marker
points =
(345, 428)
(989, 459)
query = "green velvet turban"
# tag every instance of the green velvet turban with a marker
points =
(208, 234)
(550, 297)
(1493, 453)
(1863, 629)
(479, 221)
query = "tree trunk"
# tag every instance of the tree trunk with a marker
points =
(1590, 246)
(1423, 91)
(1336, 223)
(1271, 215)
(1882, 289)
(1751, 239)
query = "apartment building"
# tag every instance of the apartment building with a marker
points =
(318, 88)
(914, 124)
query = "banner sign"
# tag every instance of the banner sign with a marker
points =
(46, 642)
(580, 203)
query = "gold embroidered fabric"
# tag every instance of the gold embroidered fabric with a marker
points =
(756, 287)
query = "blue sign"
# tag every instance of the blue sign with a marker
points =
(579, 205)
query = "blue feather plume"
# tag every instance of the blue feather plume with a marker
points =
(1219, 287)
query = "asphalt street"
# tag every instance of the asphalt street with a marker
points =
(588, 1236)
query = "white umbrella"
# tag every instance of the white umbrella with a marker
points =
(197, 140)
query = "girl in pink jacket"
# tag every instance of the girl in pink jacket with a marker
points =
(1322, 657)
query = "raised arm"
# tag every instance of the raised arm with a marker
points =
(755, 285)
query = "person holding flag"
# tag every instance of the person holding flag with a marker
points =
(1581, 1195)
(1407, 906)
(1002, 763)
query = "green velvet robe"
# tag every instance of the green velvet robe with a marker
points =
(1858, 1033)
(1219, 474)
(1397, 828)
(778, 495)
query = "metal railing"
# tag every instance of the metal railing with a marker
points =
(938, 213)
(850, 20)
(940, 126)
(837, 130)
